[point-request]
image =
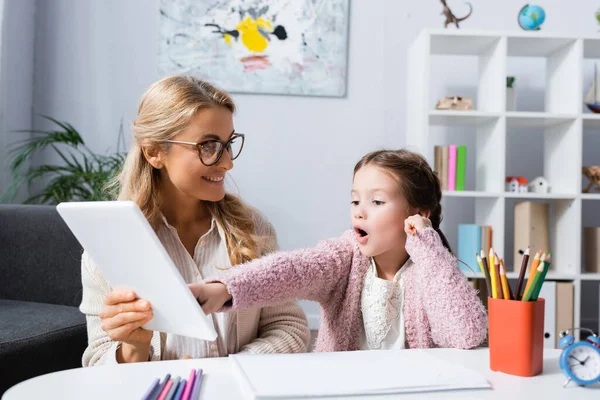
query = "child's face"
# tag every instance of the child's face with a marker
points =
(378, 212)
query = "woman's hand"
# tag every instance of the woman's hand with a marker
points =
(122, 318)
(415, 223)
(211, 296)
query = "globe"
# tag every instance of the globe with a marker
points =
(531, 17)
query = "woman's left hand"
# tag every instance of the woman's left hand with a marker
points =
(415, 223)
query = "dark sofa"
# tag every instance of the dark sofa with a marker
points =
(41, 328)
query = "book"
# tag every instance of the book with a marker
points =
(437, 161)
(349, 373)
(461, 167)
(452, 167)
(469, 245)
(444, 174)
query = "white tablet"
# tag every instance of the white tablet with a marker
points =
(127, 251)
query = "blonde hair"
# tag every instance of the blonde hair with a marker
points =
(165, 110)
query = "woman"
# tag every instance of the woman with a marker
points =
(184, 144)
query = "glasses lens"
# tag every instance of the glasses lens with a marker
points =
(209, 152)
(235, 146)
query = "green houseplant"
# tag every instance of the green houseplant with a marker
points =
(82, 176)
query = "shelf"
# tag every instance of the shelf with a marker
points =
(536, 119)
(461, 118)
(591, 48)
(590, 196)
(471, 193)
(520, 46)
(588, 276)
(461, 44)
(591, 121)
(511, 195)
(546, 196)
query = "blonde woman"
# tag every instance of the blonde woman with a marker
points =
(184, 144)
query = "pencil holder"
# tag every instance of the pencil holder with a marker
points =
(516, 336)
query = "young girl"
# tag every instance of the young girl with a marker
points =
(390, 283)
(184, 144)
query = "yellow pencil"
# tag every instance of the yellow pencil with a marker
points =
(493, 274)
(504, 280)
(486, 274)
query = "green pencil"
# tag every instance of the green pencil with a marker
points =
(538, 287)
(528, 296)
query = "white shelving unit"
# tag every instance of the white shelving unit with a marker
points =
(563, 122)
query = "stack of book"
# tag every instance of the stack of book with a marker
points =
(471, 240)
(450, 163)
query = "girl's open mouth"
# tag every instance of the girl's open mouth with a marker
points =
(361, 235)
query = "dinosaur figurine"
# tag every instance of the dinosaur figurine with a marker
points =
(451, 18)
(593, 174)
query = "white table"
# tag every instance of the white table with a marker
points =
(130, 381)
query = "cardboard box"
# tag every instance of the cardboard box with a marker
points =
(531, 229)
(591, 250)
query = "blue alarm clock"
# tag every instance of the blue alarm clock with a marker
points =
(580, 361)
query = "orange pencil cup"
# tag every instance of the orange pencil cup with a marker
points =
(516, 336)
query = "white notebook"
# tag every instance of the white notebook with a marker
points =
(287, 376)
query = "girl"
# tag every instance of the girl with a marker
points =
(392, 282)
(183, 146)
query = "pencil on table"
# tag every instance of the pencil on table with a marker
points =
(504, 280)
(536, 291)
(499, 282)
(486, 274)
(534, 265)
(522, 274)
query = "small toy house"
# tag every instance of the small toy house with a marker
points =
(516, 184)
(539, 185)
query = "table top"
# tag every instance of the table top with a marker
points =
(132, 380)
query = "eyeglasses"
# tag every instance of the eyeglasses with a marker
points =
(210, 151)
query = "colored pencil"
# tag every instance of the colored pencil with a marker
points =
(532, 270)
(486, 275)
(153, 387)
(493, 276)
(173, 389)
(522, 274)
(527, 296)
(508, 288)
(188, 387)
(197, 384)
(498, 277)
(165, 390)
(179, 391)
(536, 292)
(505, 286)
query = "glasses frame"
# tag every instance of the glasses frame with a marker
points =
(224, 145)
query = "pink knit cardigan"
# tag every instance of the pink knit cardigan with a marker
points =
(440, 308)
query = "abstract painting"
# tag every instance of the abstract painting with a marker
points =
(295, 47)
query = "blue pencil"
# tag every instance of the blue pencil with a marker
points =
(197, 383)
(156, 393)
(173, 389)
(151, 390)
(179, 391)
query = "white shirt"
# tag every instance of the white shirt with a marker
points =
(210, 260)
(381, 306)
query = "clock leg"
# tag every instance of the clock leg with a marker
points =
(567, 382)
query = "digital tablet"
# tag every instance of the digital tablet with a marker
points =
(127, 251)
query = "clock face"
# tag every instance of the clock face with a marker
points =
(584, 363)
